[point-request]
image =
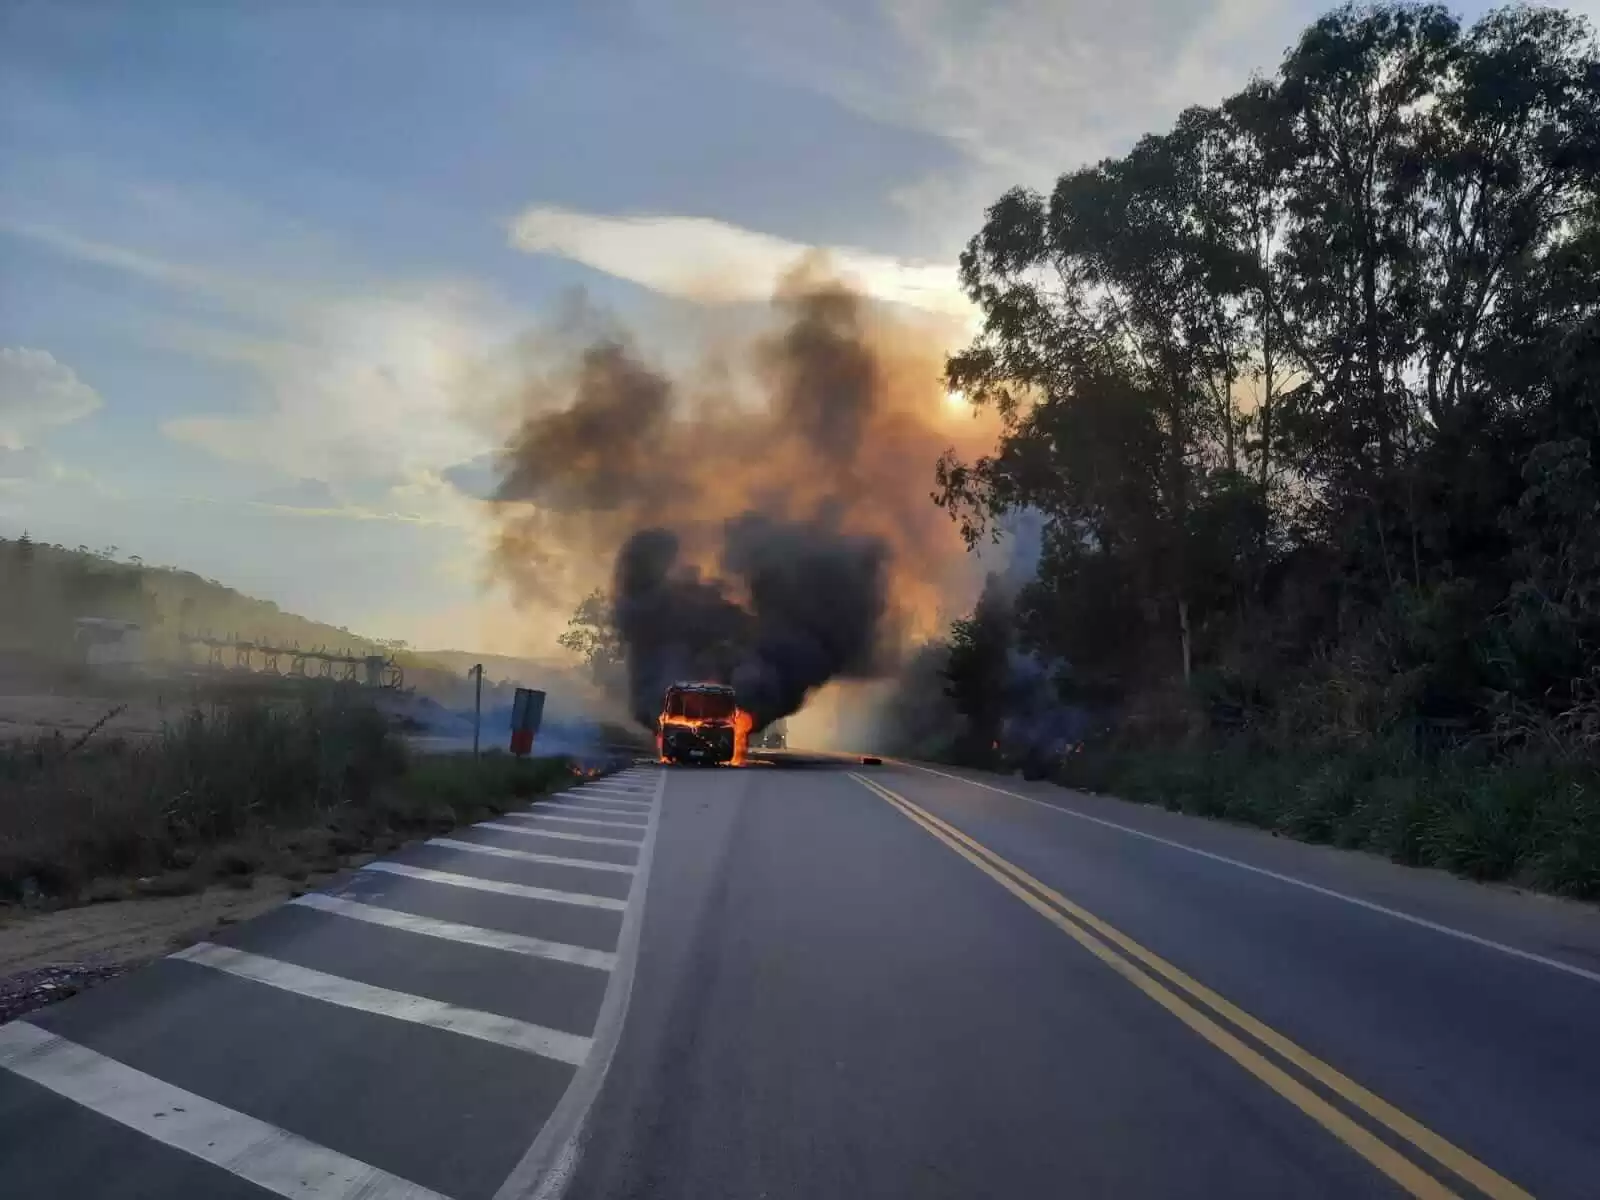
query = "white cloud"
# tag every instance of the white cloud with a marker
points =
(38, 392)
(351, 380)
(20, 464)
(238, 292)
(1024, 89)
(701, 259)
(365, 388)
(1040, 82)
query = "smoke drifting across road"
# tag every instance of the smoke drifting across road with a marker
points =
(766, 511)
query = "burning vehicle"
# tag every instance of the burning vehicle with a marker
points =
(702, 723)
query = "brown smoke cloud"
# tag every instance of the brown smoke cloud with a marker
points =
(815, 440)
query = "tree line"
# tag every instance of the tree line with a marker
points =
(1306, 390)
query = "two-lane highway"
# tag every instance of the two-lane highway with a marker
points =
(822, 979)
(887, 981)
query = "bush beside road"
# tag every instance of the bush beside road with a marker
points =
(1532, 820)
(254, 784)
(114, 851)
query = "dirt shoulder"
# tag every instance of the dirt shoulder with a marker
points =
(127, 930)
(48, 956)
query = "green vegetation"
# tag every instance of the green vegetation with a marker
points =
(592, 635)
(44, 588)
(1532, 820)
(288, 783)
(1306, 391)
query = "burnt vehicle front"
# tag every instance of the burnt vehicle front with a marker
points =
(698, 724)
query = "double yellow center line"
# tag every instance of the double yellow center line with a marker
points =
(1178, 993)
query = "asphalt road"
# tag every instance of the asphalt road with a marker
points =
(824, 979)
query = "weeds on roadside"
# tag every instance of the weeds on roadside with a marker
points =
(1528, 817)
(252, 783)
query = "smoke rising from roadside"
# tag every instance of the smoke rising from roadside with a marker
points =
(766, 511)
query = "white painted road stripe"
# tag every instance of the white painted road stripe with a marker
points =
(551, 860)
(494, 885)
(1526, 955)
(253, 1150)
(402, 1006)
(537, 815)
(526, 831)
(620, 800)
(613, 807)
(587, 797)
(595, 789)
(473, 935)
(599, 804)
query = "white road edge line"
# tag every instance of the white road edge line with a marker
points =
(250, 1149)
(529, 831)
(549, 860)
(471, 935)
(571, 1048)
(536, 815)
(547, 1169)
(1554, 964)
(523, 890)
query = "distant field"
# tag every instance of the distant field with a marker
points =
(73, 701)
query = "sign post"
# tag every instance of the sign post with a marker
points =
(477, 708)
(527, 710)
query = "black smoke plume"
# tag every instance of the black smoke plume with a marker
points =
(815, 598)
(766, 515)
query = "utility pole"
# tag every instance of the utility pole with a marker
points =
(477, 708)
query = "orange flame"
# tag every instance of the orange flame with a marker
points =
(743, 723)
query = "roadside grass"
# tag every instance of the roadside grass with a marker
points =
(291, 786)
(1530, 819)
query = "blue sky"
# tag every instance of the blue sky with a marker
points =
(261, 263)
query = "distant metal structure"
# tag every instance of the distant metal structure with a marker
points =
(109, 642)
(369, 670)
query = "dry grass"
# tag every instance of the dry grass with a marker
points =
(287, 784)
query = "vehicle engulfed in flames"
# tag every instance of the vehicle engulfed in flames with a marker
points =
(702, 723)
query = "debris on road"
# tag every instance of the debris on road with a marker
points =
(26, 991)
